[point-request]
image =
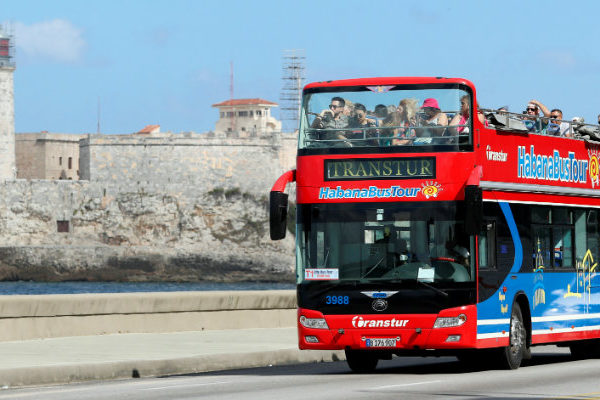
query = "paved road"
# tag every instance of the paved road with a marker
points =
(551, 374)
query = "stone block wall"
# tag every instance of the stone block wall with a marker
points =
(184, 208)
(249, 164)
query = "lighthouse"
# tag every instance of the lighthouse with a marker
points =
(7, 107)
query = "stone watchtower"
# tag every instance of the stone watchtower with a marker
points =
(7, 108)
(246, 118)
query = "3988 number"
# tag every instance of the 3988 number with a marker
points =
(337, 300)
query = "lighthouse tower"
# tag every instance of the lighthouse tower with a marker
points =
(7, 107)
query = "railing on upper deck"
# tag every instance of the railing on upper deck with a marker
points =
(387, 135)
(503, 120)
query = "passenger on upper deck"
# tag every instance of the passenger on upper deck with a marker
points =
(349, 108)
(360, 120)
(462, 117)
(381, 112)
(532, 121)
(433, 117)
(334, 118)
(557, 126)
(405, 117)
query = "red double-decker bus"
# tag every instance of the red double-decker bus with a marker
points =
(423, 228)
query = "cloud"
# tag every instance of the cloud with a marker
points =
(56, 40)
(558, 59)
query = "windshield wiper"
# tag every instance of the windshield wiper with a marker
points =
(427, 285)
(373, 268)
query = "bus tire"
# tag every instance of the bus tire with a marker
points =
(512, 355)
(361, 361)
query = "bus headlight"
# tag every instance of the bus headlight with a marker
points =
(315, 323)
(448, 322)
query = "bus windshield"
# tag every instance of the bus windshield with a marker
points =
(384, 242)
(383, 116)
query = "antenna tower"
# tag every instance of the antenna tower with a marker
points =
(291, 92)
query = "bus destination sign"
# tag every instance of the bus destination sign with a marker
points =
(380, 168)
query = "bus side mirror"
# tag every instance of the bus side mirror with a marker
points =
(473, 209)
(278, 205)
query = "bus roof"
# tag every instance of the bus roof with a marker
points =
(388, 81)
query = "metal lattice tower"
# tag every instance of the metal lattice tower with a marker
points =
(291, 92)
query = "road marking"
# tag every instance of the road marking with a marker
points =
(183, 386)
(404, 385)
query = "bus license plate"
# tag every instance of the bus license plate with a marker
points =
(381, 342)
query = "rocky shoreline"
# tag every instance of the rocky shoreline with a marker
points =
(105, 263)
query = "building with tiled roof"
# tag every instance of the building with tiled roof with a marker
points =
(150, 129)
(246, 118)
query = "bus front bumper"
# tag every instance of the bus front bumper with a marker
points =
(452, 328)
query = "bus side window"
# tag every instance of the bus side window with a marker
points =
(487, 246)
(592, 233)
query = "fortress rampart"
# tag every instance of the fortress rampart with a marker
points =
(175, 207)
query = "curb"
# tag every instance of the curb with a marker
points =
(70, 373)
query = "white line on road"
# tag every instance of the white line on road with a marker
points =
(404, 385)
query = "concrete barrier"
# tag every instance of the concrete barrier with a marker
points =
(47, 316)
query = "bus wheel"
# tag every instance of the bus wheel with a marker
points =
(361, 361)
(512, 355)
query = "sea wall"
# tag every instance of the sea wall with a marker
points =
(169, 208)
(46, 316)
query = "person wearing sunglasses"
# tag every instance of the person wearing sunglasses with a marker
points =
(556, 125)
(532, 120)
(334, 118)
(432, 116)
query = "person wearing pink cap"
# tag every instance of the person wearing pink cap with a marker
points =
(433, 116)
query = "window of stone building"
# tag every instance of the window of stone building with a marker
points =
(242, 113)
(59, 160)
(222, 115)
(62, 226)
(251, 113)
(258, 112)
(229, 114)
(70, 162)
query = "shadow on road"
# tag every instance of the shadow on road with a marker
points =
(398, 365)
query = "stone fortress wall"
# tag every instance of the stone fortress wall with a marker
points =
(173, 207)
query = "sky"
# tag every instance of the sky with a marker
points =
(166, 62)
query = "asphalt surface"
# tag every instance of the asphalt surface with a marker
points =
(551, 374)
(121, 356)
